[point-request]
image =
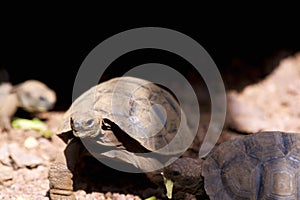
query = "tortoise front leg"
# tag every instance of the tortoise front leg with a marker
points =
(5, 122)
(8, 108)
(60, 174)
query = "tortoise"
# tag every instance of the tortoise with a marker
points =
(31, 95)
(125, 119)
(264, 165)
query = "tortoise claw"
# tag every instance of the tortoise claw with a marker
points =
(57, 194)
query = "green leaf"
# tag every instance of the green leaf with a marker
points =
(151, 198)
(27, 124)
(169, 186)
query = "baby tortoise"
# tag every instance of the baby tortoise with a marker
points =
(263, 165)
(122, 120)
(31, 95)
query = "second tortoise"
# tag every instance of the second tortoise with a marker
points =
(263, 165)
(31, 95)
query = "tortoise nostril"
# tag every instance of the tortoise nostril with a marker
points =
(76, 125)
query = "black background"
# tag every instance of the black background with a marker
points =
(52, 49)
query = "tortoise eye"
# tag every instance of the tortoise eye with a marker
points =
(42, 98)
(175, 173)
(90, 122)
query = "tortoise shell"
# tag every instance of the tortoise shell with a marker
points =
(144, 111)
(264, 165)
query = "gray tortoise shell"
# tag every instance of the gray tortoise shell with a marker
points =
(264, 165)
(126, 101)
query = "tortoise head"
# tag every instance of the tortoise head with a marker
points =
(85, 124)
(35, 96)
(185, 174)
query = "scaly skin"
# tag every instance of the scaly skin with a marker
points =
(61, 172)
(185, 173)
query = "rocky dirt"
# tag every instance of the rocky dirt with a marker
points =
(271, 104)
(24, 162)
(25, 157)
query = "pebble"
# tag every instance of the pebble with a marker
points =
(96, 196)
(80, 195)
(31, 142)
(21, 198)
(4, 154)
(22, 158)
(6, 173)
(120, 197)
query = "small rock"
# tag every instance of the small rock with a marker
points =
(271, 104)
(129, 197)
(21, 198)
(121, 197)
(115, 195)
(44, 146)
(81, 192)
(4, 154)
(22, 158)
(6, 173)
(137, 198)
(108, 195)
(31, 142)
(95, 196)
(28, 174)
